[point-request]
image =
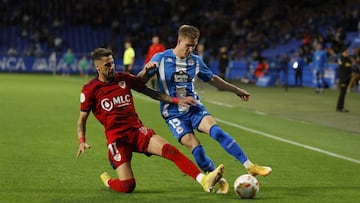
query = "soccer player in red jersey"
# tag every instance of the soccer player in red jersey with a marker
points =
(109, 97)
(154, 48)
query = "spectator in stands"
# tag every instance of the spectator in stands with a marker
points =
(200, 51)
(319, 64)
(154, 48)
(128, 57)
(83, 66)
(262, 68)
(284, 67)
(243, 28)
(298, 65)
(69, 59)
(223, 61)
(58, 43)
(339, 40)
(12, 52)
(344, 74)
(52, 62)
(38, 51)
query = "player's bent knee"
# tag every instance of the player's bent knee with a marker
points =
(130, 187)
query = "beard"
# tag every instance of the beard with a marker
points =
(111, 75)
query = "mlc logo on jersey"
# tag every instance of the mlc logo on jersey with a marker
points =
(106, 104)
(119, 101)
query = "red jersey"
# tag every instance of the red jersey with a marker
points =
(261, 69)
(153, 49)
(112, 103)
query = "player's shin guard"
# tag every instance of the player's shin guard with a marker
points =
(181, 161)
(203, 161)
(228, 143)
(124, 186)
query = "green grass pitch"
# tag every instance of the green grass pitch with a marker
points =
(313, 150)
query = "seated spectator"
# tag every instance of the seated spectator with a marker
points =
(262, 68)
(12, 52)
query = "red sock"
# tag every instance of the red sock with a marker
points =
(125, 186)
(182, 162)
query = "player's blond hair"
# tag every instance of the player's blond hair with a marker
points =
(189, 31)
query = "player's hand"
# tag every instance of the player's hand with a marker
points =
(243, 94)
(82, 147)
(187, 101)
(150, 65)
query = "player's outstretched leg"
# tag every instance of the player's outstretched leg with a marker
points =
(231, 146)
(210, 179)
(259, 170)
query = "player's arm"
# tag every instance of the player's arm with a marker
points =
(81, 129)
(219, 83)
(143, 74)
(186, 101)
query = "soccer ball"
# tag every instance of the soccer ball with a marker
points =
(246, 186)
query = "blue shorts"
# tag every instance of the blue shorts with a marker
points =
(185, 123)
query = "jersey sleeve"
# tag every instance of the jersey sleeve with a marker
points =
(86, 99)
(156, 58)
(205, 74)
(135, 82)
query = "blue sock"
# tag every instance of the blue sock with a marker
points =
(228, 143)
(203, 161)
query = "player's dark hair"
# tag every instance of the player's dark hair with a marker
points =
(98, 53)
(189, 31)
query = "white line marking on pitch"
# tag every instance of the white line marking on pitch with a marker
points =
(220, 103)
(289, 141)
(271, 136)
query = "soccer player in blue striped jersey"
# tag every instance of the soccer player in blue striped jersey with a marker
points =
(176, 70)
(319, 63)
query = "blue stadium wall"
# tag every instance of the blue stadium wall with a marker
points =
(237, 70)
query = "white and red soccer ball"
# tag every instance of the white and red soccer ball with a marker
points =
(246, 186)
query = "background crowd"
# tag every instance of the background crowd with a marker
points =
(244, 28)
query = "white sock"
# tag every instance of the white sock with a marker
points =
(200, 177)
(247, 164)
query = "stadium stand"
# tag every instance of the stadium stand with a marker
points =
(271, 28)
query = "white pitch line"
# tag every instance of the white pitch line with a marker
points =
(270, 136)
(220, 103)
(289, 141)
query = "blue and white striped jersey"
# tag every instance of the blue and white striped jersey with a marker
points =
(176, 77)
(320, 60)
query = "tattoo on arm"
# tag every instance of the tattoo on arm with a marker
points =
(157, 95)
